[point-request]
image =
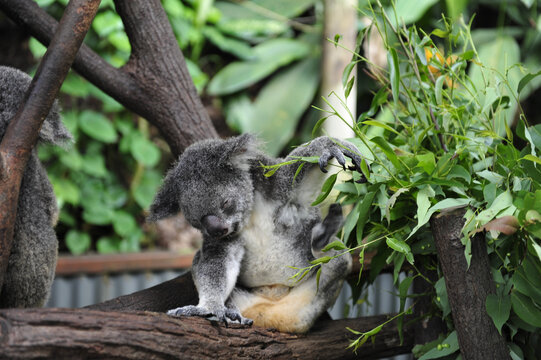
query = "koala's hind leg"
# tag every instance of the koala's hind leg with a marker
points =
(294, 309)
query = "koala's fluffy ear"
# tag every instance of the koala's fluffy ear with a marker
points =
(13, 86)
(166, 201)
(241, 150)
(53, 130)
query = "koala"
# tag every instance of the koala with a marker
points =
(256, 230)
(32, 261)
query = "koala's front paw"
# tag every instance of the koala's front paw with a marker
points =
(338, 152)
(189, 310)
(224, 314)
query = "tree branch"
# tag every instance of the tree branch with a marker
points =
(155, 82)
(68, 333)
(23, 130)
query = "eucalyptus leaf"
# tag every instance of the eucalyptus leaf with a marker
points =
(498, 308)
(526, 309)
(97, 126)
(77, 242)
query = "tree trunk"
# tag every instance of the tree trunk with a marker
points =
(82, 334)
(429, 326)
(467, 289)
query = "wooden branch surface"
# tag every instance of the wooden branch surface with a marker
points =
(83, 333)
(23, 130)
(155, 83)
(467, 288)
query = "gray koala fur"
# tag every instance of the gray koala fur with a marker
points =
(255, 228)
(32, 262)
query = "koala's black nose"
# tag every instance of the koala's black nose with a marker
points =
(215, 226)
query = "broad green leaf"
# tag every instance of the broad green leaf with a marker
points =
(381, 125)
(423, 203)
(498, 57)
(145, 190)
(525, 80)
(400, 246)
(502, 202)
(120, 40)
(107, 22)
(427, 162)
(97, 126)
(124, 223)
(498, 308)
(281, 103)
(269, 56)
(77, 242)
(387, 150)
(455, 7)
(98, 215)
(326, 189)
(233, 46)
(286, 8)
(442, 299)
(448, 346)
(94, 165)
(66, 191)
(364, 212)
(527, 280)
(531, 158)
(444, 204)
(457, 171)
(144, 151)
(526, 309)
(409, 11)
(403, 293)
(108, 245)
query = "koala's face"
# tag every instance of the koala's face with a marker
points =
(211, 184)
(220, 204)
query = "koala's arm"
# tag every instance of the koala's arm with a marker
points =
(287, 182)
(215, 270)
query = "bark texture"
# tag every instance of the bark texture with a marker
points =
(467, 288)
(84, 334)
(155, 82)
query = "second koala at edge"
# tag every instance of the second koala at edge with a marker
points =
(255, 228)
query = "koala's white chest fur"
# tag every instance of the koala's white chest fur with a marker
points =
(268, 254)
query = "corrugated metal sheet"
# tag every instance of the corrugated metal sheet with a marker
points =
(83, 290)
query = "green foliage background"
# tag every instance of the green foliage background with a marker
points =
(240, 54)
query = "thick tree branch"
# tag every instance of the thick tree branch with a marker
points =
(155, 83)
(76, 333)
(22, 132)
(467, 288)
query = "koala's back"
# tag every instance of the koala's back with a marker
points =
(32, 261)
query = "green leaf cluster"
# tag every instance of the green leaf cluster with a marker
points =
(439, 135)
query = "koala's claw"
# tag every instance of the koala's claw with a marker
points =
(226, 316)
(338, 153)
